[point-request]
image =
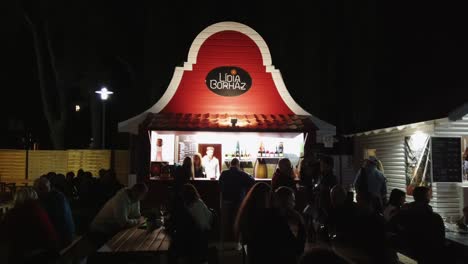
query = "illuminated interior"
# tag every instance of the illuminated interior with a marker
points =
(179, 144)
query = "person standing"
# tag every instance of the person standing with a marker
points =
(198, 169)
(372, 180)
(211, 164)
(234, 184)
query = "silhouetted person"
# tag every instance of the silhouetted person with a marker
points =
(342, 215)
(234, 184)
(58, 182)
(326, 182)
(198, 169)
(370, 179)
(287, 227)
(58, 210)
(422, 232)
(309, 175)
(284, 175)
(250, 226)
(192, 223)
(27, 230)
(70, 189)
(369, 228)
(396, 201)
(183, 174)
(101, 173)
(272, 235)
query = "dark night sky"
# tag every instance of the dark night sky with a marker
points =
(356, 64)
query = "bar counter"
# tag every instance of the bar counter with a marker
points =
(159, 192)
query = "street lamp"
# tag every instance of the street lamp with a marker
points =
(104, 96)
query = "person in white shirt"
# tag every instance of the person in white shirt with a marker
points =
(211, 164)
(121, 211)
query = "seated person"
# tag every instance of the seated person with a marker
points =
(121, 211)
(27, 230)
(369, 228)
(58, 210)
(192, 223)
(421, 231)
(396, 201)
(291, 239)
(342, 214)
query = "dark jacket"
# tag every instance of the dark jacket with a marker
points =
(182, 176)
(279, 179)
(234, 184)
(326, 183)
(271, 240)
(59, 212)
(199, 173)
(422, 232)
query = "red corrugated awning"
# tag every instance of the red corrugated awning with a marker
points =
(222, 122)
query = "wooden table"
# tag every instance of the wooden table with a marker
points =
(138, 243)
(457, 242)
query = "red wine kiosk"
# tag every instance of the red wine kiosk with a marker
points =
(228, 96)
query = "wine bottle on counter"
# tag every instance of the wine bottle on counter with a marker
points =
(276, 152)
(159, 144)
(280, 149)
(261, 149)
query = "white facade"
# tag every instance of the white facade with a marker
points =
(389, 144)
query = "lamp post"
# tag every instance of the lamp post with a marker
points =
(104, 96)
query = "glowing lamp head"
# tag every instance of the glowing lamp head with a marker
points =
(77, 108)
(104, 93)
(233, 121)
(419, 139)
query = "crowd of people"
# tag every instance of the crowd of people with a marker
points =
(264, 219)
(47, 217)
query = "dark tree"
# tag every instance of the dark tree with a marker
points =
(51, 83)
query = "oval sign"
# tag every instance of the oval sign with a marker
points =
(228, 81)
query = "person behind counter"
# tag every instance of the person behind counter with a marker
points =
(198, 169)
(211, 163)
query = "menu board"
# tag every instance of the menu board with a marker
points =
(446, 159)
(187, 147)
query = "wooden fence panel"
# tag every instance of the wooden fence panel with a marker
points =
(12, 165)
(43, 161)
(89, 160)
